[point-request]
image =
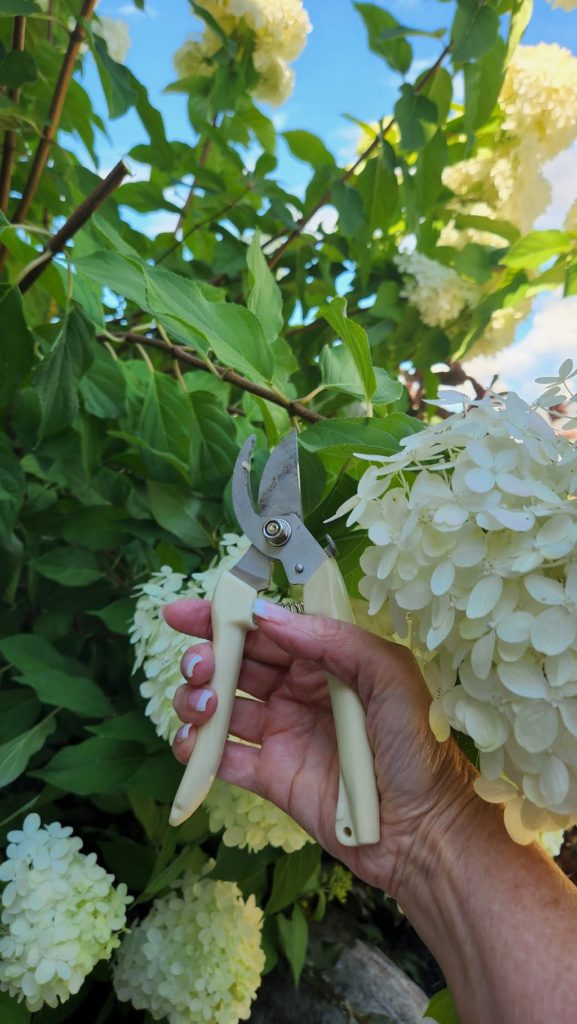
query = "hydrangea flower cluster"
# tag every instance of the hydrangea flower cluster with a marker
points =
(565, 5)
(438, 292)
(196, 957)
(538, 96)
(280, 28)
(61, 914)
(248, 820)
(473, 530)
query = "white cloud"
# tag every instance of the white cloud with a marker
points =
(551, 338)
(561, 173)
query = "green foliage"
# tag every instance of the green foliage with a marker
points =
(134, 367)
(442, 1008)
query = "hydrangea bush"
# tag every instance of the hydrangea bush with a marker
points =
(150, 323)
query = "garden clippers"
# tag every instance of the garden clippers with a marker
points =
(277, 533)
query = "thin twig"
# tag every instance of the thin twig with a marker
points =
(202, 224)
(53, 119)
(76, 221)
(225, 373)
(306, 217)
(189, 199)
(18, 37)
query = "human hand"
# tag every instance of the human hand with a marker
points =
(296, 763)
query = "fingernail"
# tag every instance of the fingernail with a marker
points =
(269, 611)
(188, 664)
(198, 700)
(184, 732)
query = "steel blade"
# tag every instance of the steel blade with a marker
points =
(254, 568)
(279, 492)
(244, 510)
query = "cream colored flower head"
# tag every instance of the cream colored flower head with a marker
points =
(473, 551)
(280, 30)
(196, 957)
(61, 914)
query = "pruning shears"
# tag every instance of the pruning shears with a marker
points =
(277, 533)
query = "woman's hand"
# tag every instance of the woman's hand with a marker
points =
(296, 763)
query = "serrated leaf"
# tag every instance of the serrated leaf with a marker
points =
(71, 567)
(17, 69)
(536, 248)
(177, 511)
(442, 1008)
(474, 30)
(346, 436)
(355, 338)
(309, 148)
(264, 297)
(16, 342)
(379, 189)
(416, 117)
(97, 765)
(397, 51)
(16, 753)
(292, 871)
(14, 8)
(57, 378)
(75, 693)
(293, 935)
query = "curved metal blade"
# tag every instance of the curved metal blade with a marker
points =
(244, 510)
(279, 492)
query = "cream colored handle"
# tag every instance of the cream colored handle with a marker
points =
(232, 606)
(357, 819)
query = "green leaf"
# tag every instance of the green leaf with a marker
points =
(483, 82)
(12, 1012)
(117, 616)
(431, 163)
(520, 19)
(397, 51)
(56, 379)
(571, 279)
(294, 935)
(189, 859)
(177, 511)
(264, 297)
(379, 189)
(19, 709)
(116, 80)
(439, 89)
(16, 342)
(12, 8)
(12, 484)
(165, 426)
(71, 567)
(97, 765)
(442, 1008)
(416, 117)
(15, 755)
(309, 148)
(132, 726)
(75, 693)
(17, 69)
(502, 228)
(349, 205)
(347, 436)
(103, 387)
(474, 30)
(536, 248)
(292, 871)
(29, 652)
(158, 776)
(355, 338)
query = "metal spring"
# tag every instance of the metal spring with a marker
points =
(294, 606)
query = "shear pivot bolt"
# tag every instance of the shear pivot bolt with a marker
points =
(277, 531)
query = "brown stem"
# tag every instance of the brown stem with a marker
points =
(18, 37)
(55, 112)
(202, 224)
(225, 373)
(76, 221)
(189, 199)
(306, 217)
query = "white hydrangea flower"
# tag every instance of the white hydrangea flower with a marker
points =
(500, 331)
(196, 957)
(61, 914)
(473, 531)
(280, 28)
(539, 97)
(438, 292)
(570, 223)
(565, 5)
(116, 35)
(251, 822)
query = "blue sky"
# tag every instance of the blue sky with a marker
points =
(337, 75)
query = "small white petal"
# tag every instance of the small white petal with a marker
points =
(439, 722)
(443, 578)
(494, 791)
(480, 481)
(482, 655)
(485, 725)
(554, 781)
(545, 590)
(523, 678)
(512, 818)
(484, 596)
(568, 709)
(414, 596)
(515, 628)
(535, 725)
(553, 631)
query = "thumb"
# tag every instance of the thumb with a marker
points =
(358, 658)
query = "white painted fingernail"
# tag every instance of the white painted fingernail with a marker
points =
(198, 699)
(184, 732)
(188, 665)
(269, 611)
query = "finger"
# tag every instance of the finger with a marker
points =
(256, 677)
(355, 656)
(195, 705)
(192, 616)
(239, 766)
(248, 719)
(183, 743)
